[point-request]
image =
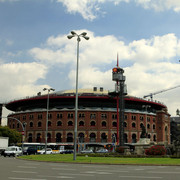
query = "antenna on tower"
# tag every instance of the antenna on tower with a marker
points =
(117, 60)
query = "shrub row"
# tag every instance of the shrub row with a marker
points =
(156, 150)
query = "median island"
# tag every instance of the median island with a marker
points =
(87, 158)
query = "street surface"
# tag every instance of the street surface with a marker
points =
(11, 168)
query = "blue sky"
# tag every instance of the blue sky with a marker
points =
(35, 52)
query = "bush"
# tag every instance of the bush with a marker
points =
(156, 150)
(119, 150)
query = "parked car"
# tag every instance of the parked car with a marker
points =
(102, 151)
(13, 151)
(48, 151)
(2, 152)
(67, 151)
(87, 151)
(31, 150)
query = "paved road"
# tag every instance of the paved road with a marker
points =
(11, 168)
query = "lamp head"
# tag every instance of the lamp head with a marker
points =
(73, 33)
(52, 89)
(70, 36)
(86, 37)
(83, 34)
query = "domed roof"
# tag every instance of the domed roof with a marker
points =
(83, 91)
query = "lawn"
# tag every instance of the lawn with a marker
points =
(103, 160)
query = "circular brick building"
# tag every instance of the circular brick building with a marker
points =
(97, 117)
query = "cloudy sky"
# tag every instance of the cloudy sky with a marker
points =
(35, 52)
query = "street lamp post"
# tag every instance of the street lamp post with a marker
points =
(117, 75)
(73, 34)
(146, 108)
(46, 133)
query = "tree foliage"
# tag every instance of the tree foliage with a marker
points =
(175, 132)
(14, 136)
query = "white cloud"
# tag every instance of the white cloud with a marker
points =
(148, 63)
(90, 9)
(87, 8)
(160, 5)
(19, 80)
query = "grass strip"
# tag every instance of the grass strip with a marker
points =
(102, 160)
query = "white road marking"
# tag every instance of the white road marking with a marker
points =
(141, 177)
(64, 169)
(33, 164)
(163, 172)
(58, 165)
(58, 177)
(24, 172)
(95, 172)
(113, 171)
(25, 178)
(64, 174)
(27, 167)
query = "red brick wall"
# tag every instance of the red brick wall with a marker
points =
(162, 120)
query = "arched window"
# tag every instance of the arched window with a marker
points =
(39, 124)
(58, 137)
(49, 137)
(31, 124)
(70, 123)
(149, 136)
(148, 126)
(93, 123)
(59, 123)
(114, 124)
(125, 124)
(30, 137)
(69, 137)
(81, 137)
(92, 137)
(103, 137)
(38, 137)
(141, 125)
(49, 124)
(154, 126)
(17, 125)
(81, 123)
(154, 138)
(133, 125)
(125, 138)
(103, 124)
(133, 138)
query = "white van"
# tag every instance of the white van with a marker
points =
(13, 151)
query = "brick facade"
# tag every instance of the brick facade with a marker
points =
(93, 126)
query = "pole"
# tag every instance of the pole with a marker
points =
(117, 114)
(76, 102)
(47, 122)
(73, 34)
(121, 114)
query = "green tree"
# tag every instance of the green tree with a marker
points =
(14, 136)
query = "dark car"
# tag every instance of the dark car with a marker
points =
(31, 150)
(2, 152)
(67, 151)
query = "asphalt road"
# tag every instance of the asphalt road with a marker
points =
(11, 168)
